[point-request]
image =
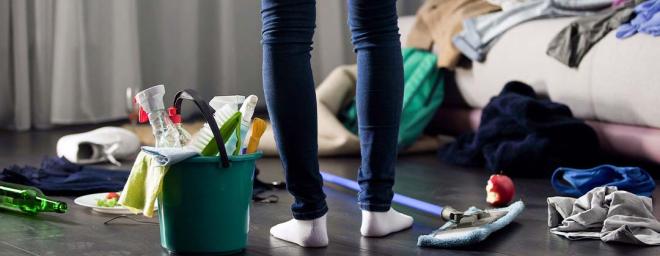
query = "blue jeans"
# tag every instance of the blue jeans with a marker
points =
(288, 27)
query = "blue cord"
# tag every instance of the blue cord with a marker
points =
(399, 199)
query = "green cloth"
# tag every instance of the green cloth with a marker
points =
(423, 93)
(143, 185)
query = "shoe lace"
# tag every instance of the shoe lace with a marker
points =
(109, 151)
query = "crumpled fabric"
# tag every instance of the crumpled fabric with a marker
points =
(573, 42)
(647, 20)
(143, 186)
(169, 156)
(479, 33)
(525, 136)
(607, 214)
(577, 182)
(57, 176)
(437, 21)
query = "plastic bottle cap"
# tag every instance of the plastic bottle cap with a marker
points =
(218, 101)
(151, 99)
(143, 117)
(176, 118)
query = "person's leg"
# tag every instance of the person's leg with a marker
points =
(288, 27)
(375, 37)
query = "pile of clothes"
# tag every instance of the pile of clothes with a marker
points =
(472, 27)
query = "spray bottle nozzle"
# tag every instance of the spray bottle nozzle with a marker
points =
(176, 118)
(143, 117)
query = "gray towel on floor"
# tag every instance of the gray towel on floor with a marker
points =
(606, 214)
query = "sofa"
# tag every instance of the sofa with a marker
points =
(616, 87)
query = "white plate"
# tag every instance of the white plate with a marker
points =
(90, 201)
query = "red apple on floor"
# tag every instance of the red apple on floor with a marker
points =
(499, 190)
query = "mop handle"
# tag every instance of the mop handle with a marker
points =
(399, 199)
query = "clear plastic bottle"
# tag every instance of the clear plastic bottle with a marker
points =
(184, 136)
(153, 108)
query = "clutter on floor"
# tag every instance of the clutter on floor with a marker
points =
(525, 136)
(607, 214)
(461, 228)
(28, 200)
(577, 182)
(60, 177)
(476, 228)
(499, 190)
(100, 145)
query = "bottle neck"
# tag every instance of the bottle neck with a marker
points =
(165, 133)
(49, 205)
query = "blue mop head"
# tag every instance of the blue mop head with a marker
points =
(446, 237)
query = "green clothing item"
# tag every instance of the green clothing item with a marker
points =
(422, 95)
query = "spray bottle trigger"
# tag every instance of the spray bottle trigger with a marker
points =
(143, 116)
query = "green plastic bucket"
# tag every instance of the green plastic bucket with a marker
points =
(204, 204)
(204, 208)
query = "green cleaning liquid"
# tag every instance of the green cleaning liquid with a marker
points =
(27, 199)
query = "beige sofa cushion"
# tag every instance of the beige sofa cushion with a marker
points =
(618, 80)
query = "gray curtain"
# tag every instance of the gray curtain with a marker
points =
(70, 61)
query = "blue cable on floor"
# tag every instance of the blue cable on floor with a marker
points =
(399, 199)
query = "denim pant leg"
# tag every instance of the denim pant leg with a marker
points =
(375, 37)
(288, 27)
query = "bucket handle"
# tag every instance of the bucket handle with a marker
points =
(207, 112)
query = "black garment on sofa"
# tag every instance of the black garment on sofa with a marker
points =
(525, 136)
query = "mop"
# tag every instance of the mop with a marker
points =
(462, 228)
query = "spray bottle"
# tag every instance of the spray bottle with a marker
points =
(152, 108)
(184, 136)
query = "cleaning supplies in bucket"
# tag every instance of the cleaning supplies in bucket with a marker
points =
(188, 185)
(228, 118)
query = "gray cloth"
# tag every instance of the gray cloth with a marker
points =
(606, 214)
(478, 33)
(574, 41)
(169, 156)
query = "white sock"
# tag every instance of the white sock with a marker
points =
(376, 224)
(306, 233)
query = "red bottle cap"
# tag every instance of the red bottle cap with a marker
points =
(176, 118)
(143, 117)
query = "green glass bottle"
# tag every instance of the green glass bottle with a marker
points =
(27, 199)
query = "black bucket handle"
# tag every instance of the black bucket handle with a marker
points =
(207, 112)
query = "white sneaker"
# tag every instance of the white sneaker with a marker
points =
(100, 145)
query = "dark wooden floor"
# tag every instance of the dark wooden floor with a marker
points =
(81, 232)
